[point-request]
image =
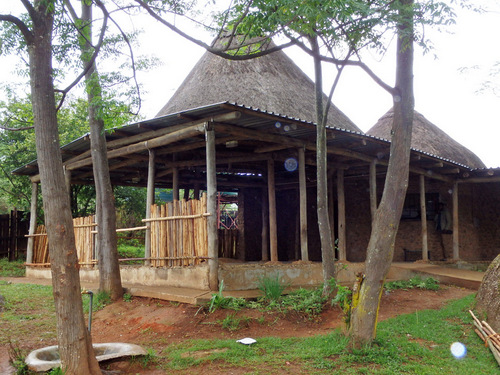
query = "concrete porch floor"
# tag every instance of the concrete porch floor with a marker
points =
(446, 275)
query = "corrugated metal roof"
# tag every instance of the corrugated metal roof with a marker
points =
(133, 169)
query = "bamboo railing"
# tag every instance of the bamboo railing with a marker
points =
(179, 233)
(84, 241)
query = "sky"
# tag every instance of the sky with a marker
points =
(450, 81)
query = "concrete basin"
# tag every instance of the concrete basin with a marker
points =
(47, 358)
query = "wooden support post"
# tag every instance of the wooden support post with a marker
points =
(213, 261)
(32, 229)
(67, 179)
(265, 226)
(423, 218)
(271, 192)
(331, 207)
(175, 184)
(304, 254)
(196, 191)
(456, 243)
(373, 187)
(150, 200)
(341, 215)
(241, 250)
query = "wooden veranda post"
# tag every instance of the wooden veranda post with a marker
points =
(213, 262)
(341, 214)
(67, 179)
(265, 226)
(304, 254)
(150, 200)
(423, 218)
(456, 244)
(271, 190)
(175, 183)
(32, 229)
(373, 187)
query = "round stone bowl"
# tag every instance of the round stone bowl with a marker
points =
(47, 358)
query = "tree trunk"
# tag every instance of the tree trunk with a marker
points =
(106, 244)
(387, 217)
(325, 234)
(75, 346)
(488, 296)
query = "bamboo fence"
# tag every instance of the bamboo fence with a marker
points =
(84, 241)
(179, 233)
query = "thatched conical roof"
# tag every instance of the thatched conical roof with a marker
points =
(429, 138)
(272, 83)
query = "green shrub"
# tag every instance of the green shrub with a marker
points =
(415, 282)
(218, 301)
(271, 287)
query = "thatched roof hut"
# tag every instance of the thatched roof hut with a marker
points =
(429, 138)
(272, 83)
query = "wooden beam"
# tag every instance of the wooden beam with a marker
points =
(32, 229)
(142, 146)
(270, 148)
(213, 261)
(304, 253)
(259, 135)
(479, 180)
(271, 190)
(456, 243)
(423, 219)
(150, 200)
(155, 133)
(341, 215)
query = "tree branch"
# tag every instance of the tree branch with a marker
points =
(391, 90)
(211, 49)
(90, 63)
(126, 39)
(27, 34)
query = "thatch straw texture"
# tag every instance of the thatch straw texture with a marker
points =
(429, 138)
(272, 83)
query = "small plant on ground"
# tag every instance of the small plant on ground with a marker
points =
(218, 301)
(343, 299)
(17, 359)
(99, 301)
(146, 360)
(231, 322)
(271, 287)
(127, 297)
(415, 282)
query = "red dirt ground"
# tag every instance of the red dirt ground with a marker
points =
(156, 324)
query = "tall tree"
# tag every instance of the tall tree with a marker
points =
(74, 340)
(106, 244)
(385, 224)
